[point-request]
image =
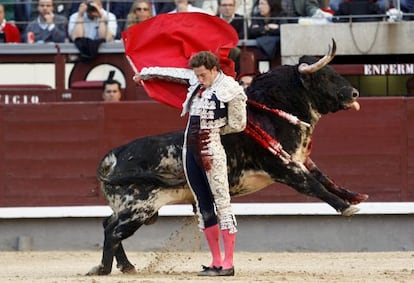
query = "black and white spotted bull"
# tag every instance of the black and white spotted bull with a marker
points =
(140, 177)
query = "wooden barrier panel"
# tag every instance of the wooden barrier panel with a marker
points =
(49, 152)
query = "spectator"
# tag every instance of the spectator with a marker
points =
(47, 27)
(8, 32)
(325, 7)
(227, 12)
(185, 6)
(300, 8)
(212, 7)
(266, 28)
(141, 10)
(303, 8)
(111, 90)
(358, 8)
(93, 22)
(118, 8)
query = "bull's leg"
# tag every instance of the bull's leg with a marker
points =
(123, 263)
(303, 182)
(121, 258)
(330, 185)
(119, 229)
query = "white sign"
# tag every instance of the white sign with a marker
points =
(18, 99)
(388, 69)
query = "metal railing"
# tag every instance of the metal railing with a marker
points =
(68, 7)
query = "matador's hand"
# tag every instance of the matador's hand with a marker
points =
(137, 79)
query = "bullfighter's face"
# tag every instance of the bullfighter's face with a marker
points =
(205, 77)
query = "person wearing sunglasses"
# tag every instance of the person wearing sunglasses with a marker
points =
(141, 10)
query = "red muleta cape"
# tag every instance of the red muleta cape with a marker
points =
(169, 40)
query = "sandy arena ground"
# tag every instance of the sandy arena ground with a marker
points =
(59, 267)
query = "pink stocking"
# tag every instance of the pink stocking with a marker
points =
(229, 242)
(212, 234)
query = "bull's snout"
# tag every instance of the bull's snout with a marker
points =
(349, 97)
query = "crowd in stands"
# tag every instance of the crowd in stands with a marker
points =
(40, 21)
(43, 21)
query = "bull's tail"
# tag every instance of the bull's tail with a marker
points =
(106, 167)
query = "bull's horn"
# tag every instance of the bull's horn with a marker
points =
(308, 69)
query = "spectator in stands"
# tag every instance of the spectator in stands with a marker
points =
(242, 7)
(185, 6)
(111, 90)
(266, 28)
(92, 21)
(227, 11)
(325, 7)
(8, 32)
(358, 8)
(141, 10)
(118, 8)
(303, 8)
(47, 27)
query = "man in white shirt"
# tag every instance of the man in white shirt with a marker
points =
(92, 21)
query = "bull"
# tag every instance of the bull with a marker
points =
(140, 177)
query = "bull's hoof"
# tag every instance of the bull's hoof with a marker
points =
(359, 198)
(128, 269)
(349, 211)
(97, 270)
(131, 270)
